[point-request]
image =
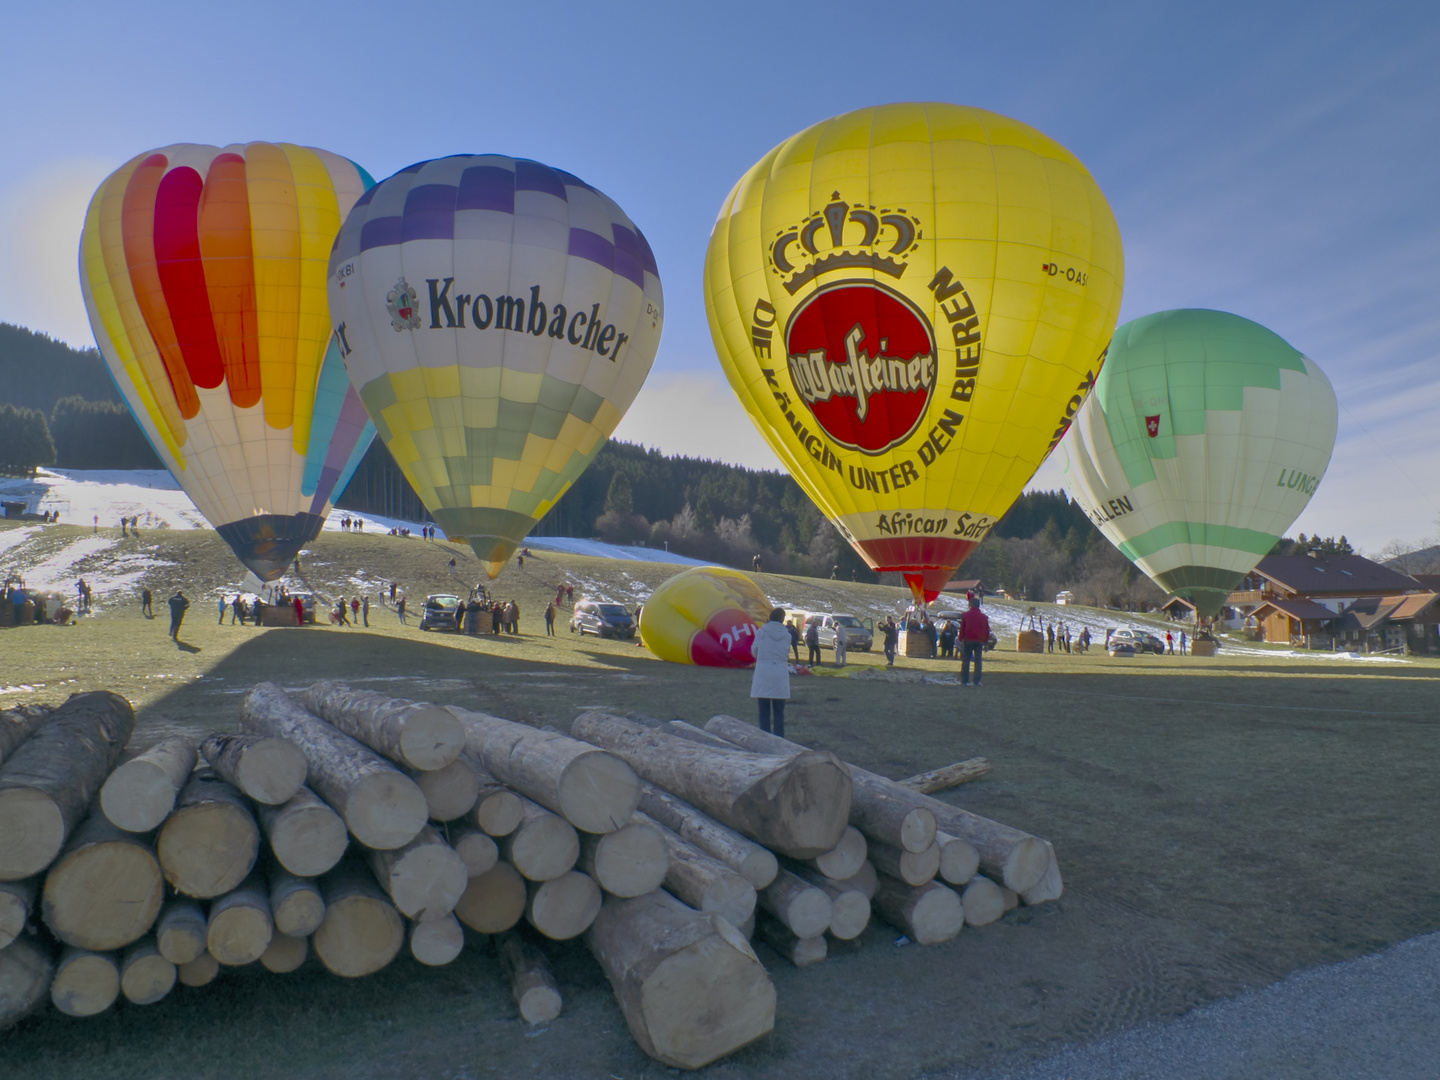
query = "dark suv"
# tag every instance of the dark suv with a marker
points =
(602, 619)
(439, 612)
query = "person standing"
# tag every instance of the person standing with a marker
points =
(365, 610)
(392, 592)
(1182, 642)
(549, 620)
(520, 560)
(452, 568)
(770, 684)
(892, 639)
(974, 633)
(224, 606)
(178, 606)
(299, 612)
(812, 640)
(1169, 643)
(400, 610)
(1049, 636)
(145, 599)
(237, 610)
(794, 631)
(354, 610)
(840, 644)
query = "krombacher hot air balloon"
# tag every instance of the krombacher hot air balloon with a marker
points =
(497, 317)
(1203, 440)
(203, 271)
(911, 302)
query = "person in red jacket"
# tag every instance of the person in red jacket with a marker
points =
(974, 633)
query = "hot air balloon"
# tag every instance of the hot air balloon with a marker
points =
(497, 317)
(911, 302)
(203, 271)
(1203, 440)
(705, 616)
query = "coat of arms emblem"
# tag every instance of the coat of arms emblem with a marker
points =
(401, 302)
(1152, 426)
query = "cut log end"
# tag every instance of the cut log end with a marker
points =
(105, 890)
(437, 942)
(627, 862)
(198, 972)
(850, 915)
(536, 992)
(285, 954)
(984, 902)
(25, 973)
(307, 837)
(598, 792)
(145, 976)
(917, 829)
(33, 832)
(1026, 864)
(17, 898)
(844, 860)
(499, 812)
(958, 859)
(431, 738)
(494, 901)
(564, 907)
(450, 792)
(360, 935)
(476, 850)
(86, 983)
(386, 810)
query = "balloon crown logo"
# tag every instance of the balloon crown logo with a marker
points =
(403, 304)
(859, 237)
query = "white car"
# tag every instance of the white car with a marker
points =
(858, 636)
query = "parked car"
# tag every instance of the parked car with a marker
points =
(858, 636)
(440, 612)
(939, 618)
(305, 598)
(1140, 640)
(602, 619)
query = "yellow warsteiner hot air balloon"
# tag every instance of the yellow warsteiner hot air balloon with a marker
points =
(911, 302)
(203, 270)
(497, 317)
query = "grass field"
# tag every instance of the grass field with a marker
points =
(1220, 823)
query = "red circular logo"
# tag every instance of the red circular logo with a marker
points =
(863, 360)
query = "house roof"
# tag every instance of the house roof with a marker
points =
(1172, 599)
(1429, 581)
(968, 585)
(1303, 610)
(1370, 611)
(1415, 606)
(1340, 575)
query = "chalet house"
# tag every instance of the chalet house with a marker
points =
(1296, 598)
(969, 585)
(1410, 622)
(1178, 609)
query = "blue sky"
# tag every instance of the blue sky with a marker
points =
(1280, 160)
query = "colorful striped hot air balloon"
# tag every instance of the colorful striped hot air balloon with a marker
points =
(203, 271)
(498, 317)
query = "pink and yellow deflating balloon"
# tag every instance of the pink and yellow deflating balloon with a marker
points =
(705, 616)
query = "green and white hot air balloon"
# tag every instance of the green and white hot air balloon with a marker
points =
(1204, 438)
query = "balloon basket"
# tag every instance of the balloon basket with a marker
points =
(1202, 648)
(1031, 641)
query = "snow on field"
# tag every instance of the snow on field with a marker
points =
(601, 550)
(88, 496)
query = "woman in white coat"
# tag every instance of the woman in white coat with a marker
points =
(771, 682)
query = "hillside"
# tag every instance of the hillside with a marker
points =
(36, 371)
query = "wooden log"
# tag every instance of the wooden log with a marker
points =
(497, 808)
(240, 925)
(929, 914)
(689, 986)
(476, 850)
(26, 969)
(105, 890)
(802, 907)
(362, 931)
(86, 983)
(296, 903)
(422, 736)
(268, 769)
(563, 907)
(1011, 898)
(849, 904)
(706, 883)
(802, 952)
(450, 792)
(866, 880)
(910, 867)
(755, 863)
(627, 862)
(437, 942)
(1016, 858)
(17, 901)
(543, 846)
(180, 932)
(209, 845)
(844, 859)
(1050, 886)
(198, 972)
(18, 723)
(983, 900)
(951, 776)
(592, 789)
(145, 975)
(797, 804)
(494, 901)
(382, 807)
(307, 837)
(141, 792)
(536, 992)
(874, 810)
(424, 879)
(285, 954)
(958, 859)
(49, 781)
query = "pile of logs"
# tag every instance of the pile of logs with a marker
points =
(347, 825)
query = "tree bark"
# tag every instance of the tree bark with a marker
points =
(437, 942)
(756, 864)
(240, 925)
(494, 901)
(843, 860)
(362, 931)
(141, 792)
(449, 792)
(544, 846)
(592, 789)
(850, 904)
(26, 969)
(180, 933)
(536, 992)
(145, 975)
(690, 987)
(17, 901)
(306, 836)
(476, 850)
(958, 859)
(908, 866)
(18, 724)
(983, 900)
(874, 810)
(414, 733)
(951, 776)
(424, 879)
(929, 914)
(296, 904)
(627, 862)
(285, 953)
(198, 972)
(267, 768)
(209, 845)
(497, 808)
(797, 804)
(706, 883)
(382, 807)
(105, 889)
(802, 907)
(802, 952)
(563, 907)
(86, 983)
(47, 784)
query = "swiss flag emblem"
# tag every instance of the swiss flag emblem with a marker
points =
(1152, 426)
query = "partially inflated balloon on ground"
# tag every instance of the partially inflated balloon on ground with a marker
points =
(911, 302)
(203, 271)
(706, 616)
(1204, 439)
(497, 317)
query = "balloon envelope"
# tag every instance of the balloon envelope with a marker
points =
(706, 616)
(497, 317)
(203, 271)
(911, 302)
(1204, 439)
